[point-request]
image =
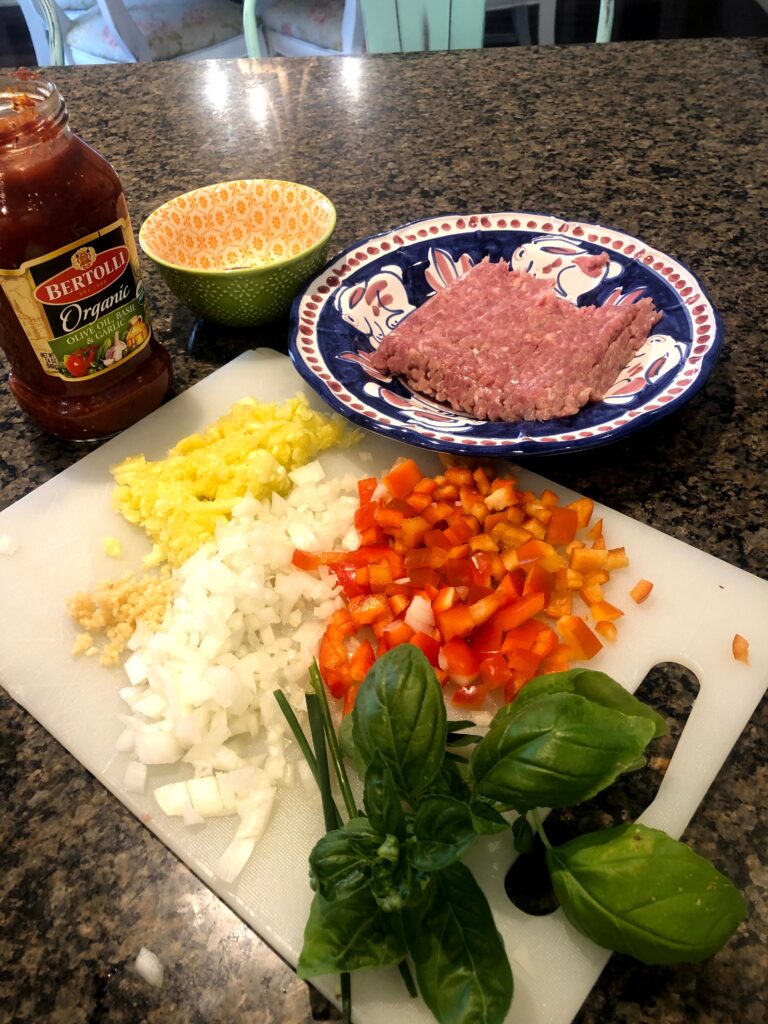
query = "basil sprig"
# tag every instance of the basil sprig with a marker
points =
(390, 886)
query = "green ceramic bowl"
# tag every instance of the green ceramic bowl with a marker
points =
(238, 252)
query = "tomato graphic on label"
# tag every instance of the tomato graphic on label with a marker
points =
(79, 363)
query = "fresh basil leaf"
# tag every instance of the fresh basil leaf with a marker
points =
(391, 882)
(461, 967)
(636, 890)
(450, 780)
(463, 739)
(348, 934)
(381, 799)
(522, 834)
(348, 747)
(595, 686)
(399, 711)
(485, 818)
(556, 751)
(340, 861)
(458, 724)
(443, 830)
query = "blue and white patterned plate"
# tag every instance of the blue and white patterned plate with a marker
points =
(344, 313)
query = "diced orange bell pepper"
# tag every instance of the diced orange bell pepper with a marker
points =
(641, 591)
(437, 512)
(740, 648)
(446, 598)
(579, 637)
(604, 611)
(418, 501)
(523, 636)
(558, 660)
(482, 483)
(389, 519)
(413, 530)
(455, 621)
(562, 526)
(305, 560)
(502, 494)
(584, 507)
(607, 630)
(588, 559)
(402, 478)
(517, 612)
(616, 558)
(538, 581)
(368, 608)
(397, 632)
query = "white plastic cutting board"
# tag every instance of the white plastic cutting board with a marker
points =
(697, 605)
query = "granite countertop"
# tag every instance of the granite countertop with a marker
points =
(664, 140)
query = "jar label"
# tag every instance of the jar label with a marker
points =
(83, 307)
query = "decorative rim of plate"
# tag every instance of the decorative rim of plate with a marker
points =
(501, 439)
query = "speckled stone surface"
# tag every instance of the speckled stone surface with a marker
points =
(664, 140)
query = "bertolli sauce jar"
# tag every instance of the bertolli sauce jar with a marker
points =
(74, 321)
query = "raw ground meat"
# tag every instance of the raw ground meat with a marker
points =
(500, 345)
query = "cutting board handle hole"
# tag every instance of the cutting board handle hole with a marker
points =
(669, 688)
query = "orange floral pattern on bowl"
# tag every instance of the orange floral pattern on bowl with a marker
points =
(238, 225)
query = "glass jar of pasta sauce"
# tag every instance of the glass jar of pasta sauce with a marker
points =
(74, 321)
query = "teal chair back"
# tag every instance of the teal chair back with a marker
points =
(400, 26)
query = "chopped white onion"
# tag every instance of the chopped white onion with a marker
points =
(135, 777)
(419, 615)
(243, 622)
(8, 546)
(149, 967)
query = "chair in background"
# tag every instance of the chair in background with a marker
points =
(401, 26)
(123, 31)
(303, 28)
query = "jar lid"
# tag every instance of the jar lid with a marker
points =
(30, 106)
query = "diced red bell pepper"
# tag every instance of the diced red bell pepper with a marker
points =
(366, 488)
(365, 516)
(349, 697)
(459, 661)
(346, 574)
(472, 696)
(538, 581)
(361, 661)
(428, 646)
(494, 671)
(524, 662)
(425, 576)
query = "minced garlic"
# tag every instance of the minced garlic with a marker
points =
(110, 612)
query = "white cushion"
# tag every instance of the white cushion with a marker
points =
(75, 5)
(171, 29)
(312, 21)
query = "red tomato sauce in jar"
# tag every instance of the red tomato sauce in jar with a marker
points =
(74, 321)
